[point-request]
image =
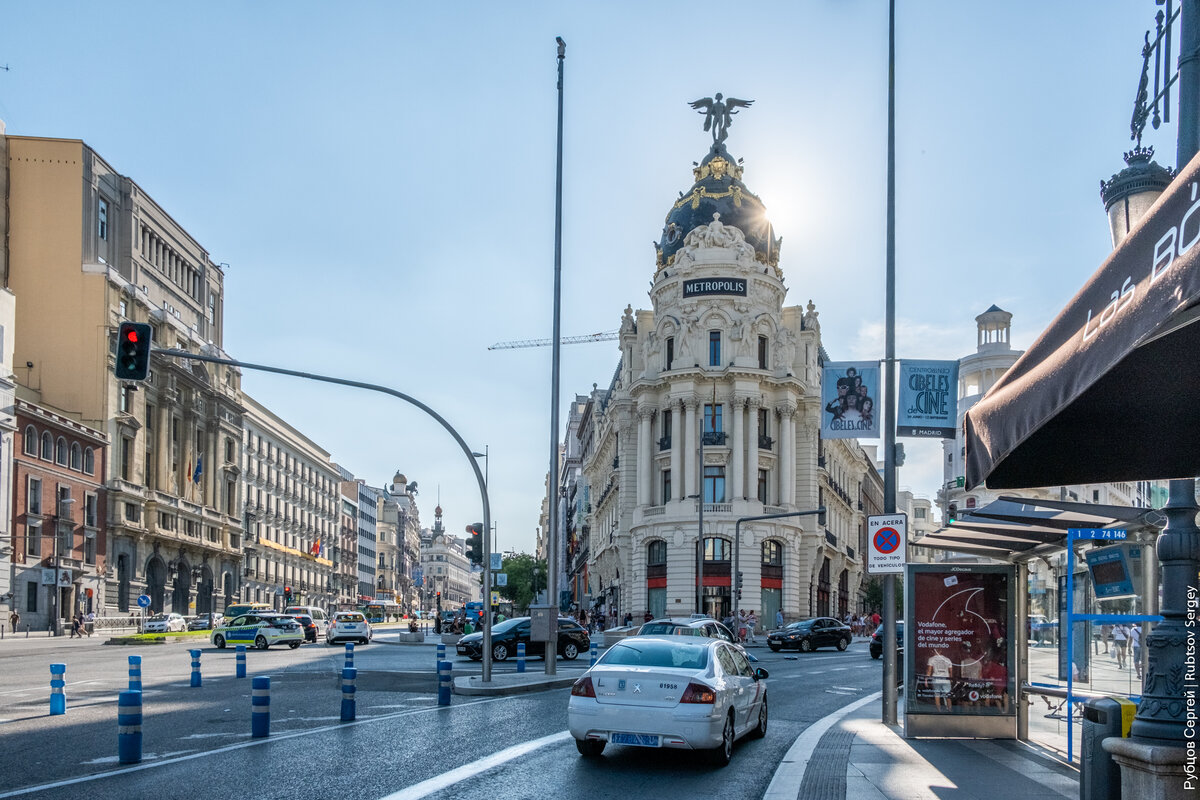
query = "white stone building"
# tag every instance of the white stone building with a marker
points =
(447, 577)
(720, 349)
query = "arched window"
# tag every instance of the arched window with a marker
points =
(31, 440)
(60, 451)
(89, 464)
(656, 553)
(772, 553)
(47, 446)
(76, 456)
(716, 549)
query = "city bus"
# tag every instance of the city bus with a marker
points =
(379, 610)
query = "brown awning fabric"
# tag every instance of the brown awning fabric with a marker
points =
(1105, 392)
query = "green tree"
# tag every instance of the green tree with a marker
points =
(873, 594)
(525, 575)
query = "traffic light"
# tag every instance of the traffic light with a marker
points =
(133, 351)
(475, 543)
(287, 595)
(952, 514)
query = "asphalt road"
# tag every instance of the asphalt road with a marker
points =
(403, 745)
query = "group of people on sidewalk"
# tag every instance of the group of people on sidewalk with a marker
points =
(1125, 642)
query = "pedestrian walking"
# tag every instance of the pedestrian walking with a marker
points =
(1120, 639)
(779, 618)
(751, 624)
(875, 621)
(76, 626)
(741, 625)
(14, 619)
(628, 619)
(1135, 644)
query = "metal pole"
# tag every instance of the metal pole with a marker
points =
(555, 347)
(889, 411)
(700, 496)
(737, 540)
(487, 511)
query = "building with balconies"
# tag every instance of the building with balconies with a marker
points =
(88, 248)
(712, 414)
(293, 511)
(447, 577)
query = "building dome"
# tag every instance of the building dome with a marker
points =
(718, 190)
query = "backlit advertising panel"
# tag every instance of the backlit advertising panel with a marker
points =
(959, 651)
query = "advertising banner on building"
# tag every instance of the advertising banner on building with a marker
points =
(928, 399)
(850, 397)
(959, 639)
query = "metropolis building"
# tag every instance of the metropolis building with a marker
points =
(714, 411)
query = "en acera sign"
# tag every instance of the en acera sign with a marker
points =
(887, 540)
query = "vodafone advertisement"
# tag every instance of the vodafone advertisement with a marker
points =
(961, 655)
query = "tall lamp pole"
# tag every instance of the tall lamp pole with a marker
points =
(555, 347)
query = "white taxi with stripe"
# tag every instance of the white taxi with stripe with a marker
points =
(260, 629)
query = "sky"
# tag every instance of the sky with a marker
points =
(379, 178)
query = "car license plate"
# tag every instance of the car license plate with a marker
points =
(635, 739)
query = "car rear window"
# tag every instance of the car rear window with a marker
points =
(282, 622)
(652, 628)
(683, 655)
(351, 618)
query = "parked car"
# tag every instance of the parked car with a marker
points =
(573, 639)
(319, 617)
(262, 629)
(205, 622)
(348, 626)
(877, 640)
(308, 625)
(807, 635)
(676, 626)
(164, 623)
(691, 693)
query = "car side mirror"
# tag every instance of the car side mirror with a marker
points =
(760, 673)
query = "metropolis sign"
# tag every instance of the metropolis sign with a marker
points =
(705, 286)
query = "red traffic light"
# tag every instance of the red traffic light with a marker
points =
(287, 590)
(131, 335)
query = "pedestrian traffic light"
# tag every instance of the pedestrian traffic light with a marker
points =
(475, 543)
(133, 351)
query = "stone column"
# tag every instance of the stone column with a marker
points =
(737, 451)
(787, 454)
(752, 406)
(211, 469)
(689, 485)
(162, 447)
(645, 456)
(676, 451)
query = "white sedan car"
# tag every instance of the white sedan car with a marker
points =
(163, 623)
(689, 693)
(348, 626)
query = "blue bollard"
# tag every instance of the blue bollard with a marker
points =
(594, 649)
(260, 707)
(58, 700)
(520, 656)
(349, 654)
(129, 726)
(241, 661)
(443, 683)
(135, 673)
(195, 667)
(441, 652)
(349, 675)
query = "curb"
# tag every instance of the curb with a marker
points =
(474, 686)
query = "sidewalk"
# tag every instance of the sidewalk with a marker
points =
(854, 755)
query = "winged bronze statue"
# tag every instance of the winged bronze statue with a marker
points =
(718, 114)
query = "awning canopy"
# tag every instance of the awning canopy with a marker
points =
(1105, 392)
(1017, 529)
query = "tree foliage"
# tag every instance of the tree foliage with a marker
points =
(525, 575)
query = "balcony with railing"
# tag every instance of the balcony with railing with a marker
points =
(664, 443)
(713, 438)
(765, 442)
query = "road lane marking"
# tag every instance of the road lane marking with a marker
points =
(790, 772)
(240, 745)
(448, 779)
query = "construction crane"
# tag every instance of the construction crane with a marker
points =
(602, 336)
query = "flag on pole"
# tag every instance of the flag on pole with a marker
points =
(199, 468)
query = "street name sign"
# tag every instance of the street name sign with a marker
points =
(887, 543)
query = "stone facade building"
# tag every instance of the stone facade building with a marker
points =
(714, 410)
(88, 248)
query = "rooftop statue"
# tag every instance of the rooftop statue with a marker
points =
(718, 114)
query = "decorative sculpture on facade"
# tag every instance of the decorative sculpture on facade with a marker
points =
(718, 114)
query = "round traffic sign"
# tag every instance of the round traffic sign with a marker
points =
(144, 600)
(886, 540)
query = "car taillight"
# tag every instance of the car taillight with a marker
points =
(698, 693)
(583, 688)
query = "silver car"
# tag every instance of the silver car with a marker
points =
(689, 693)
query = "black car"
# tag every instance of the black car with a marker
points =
(309, 626)
(807, 635)
(573, 639)
(877, 640)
